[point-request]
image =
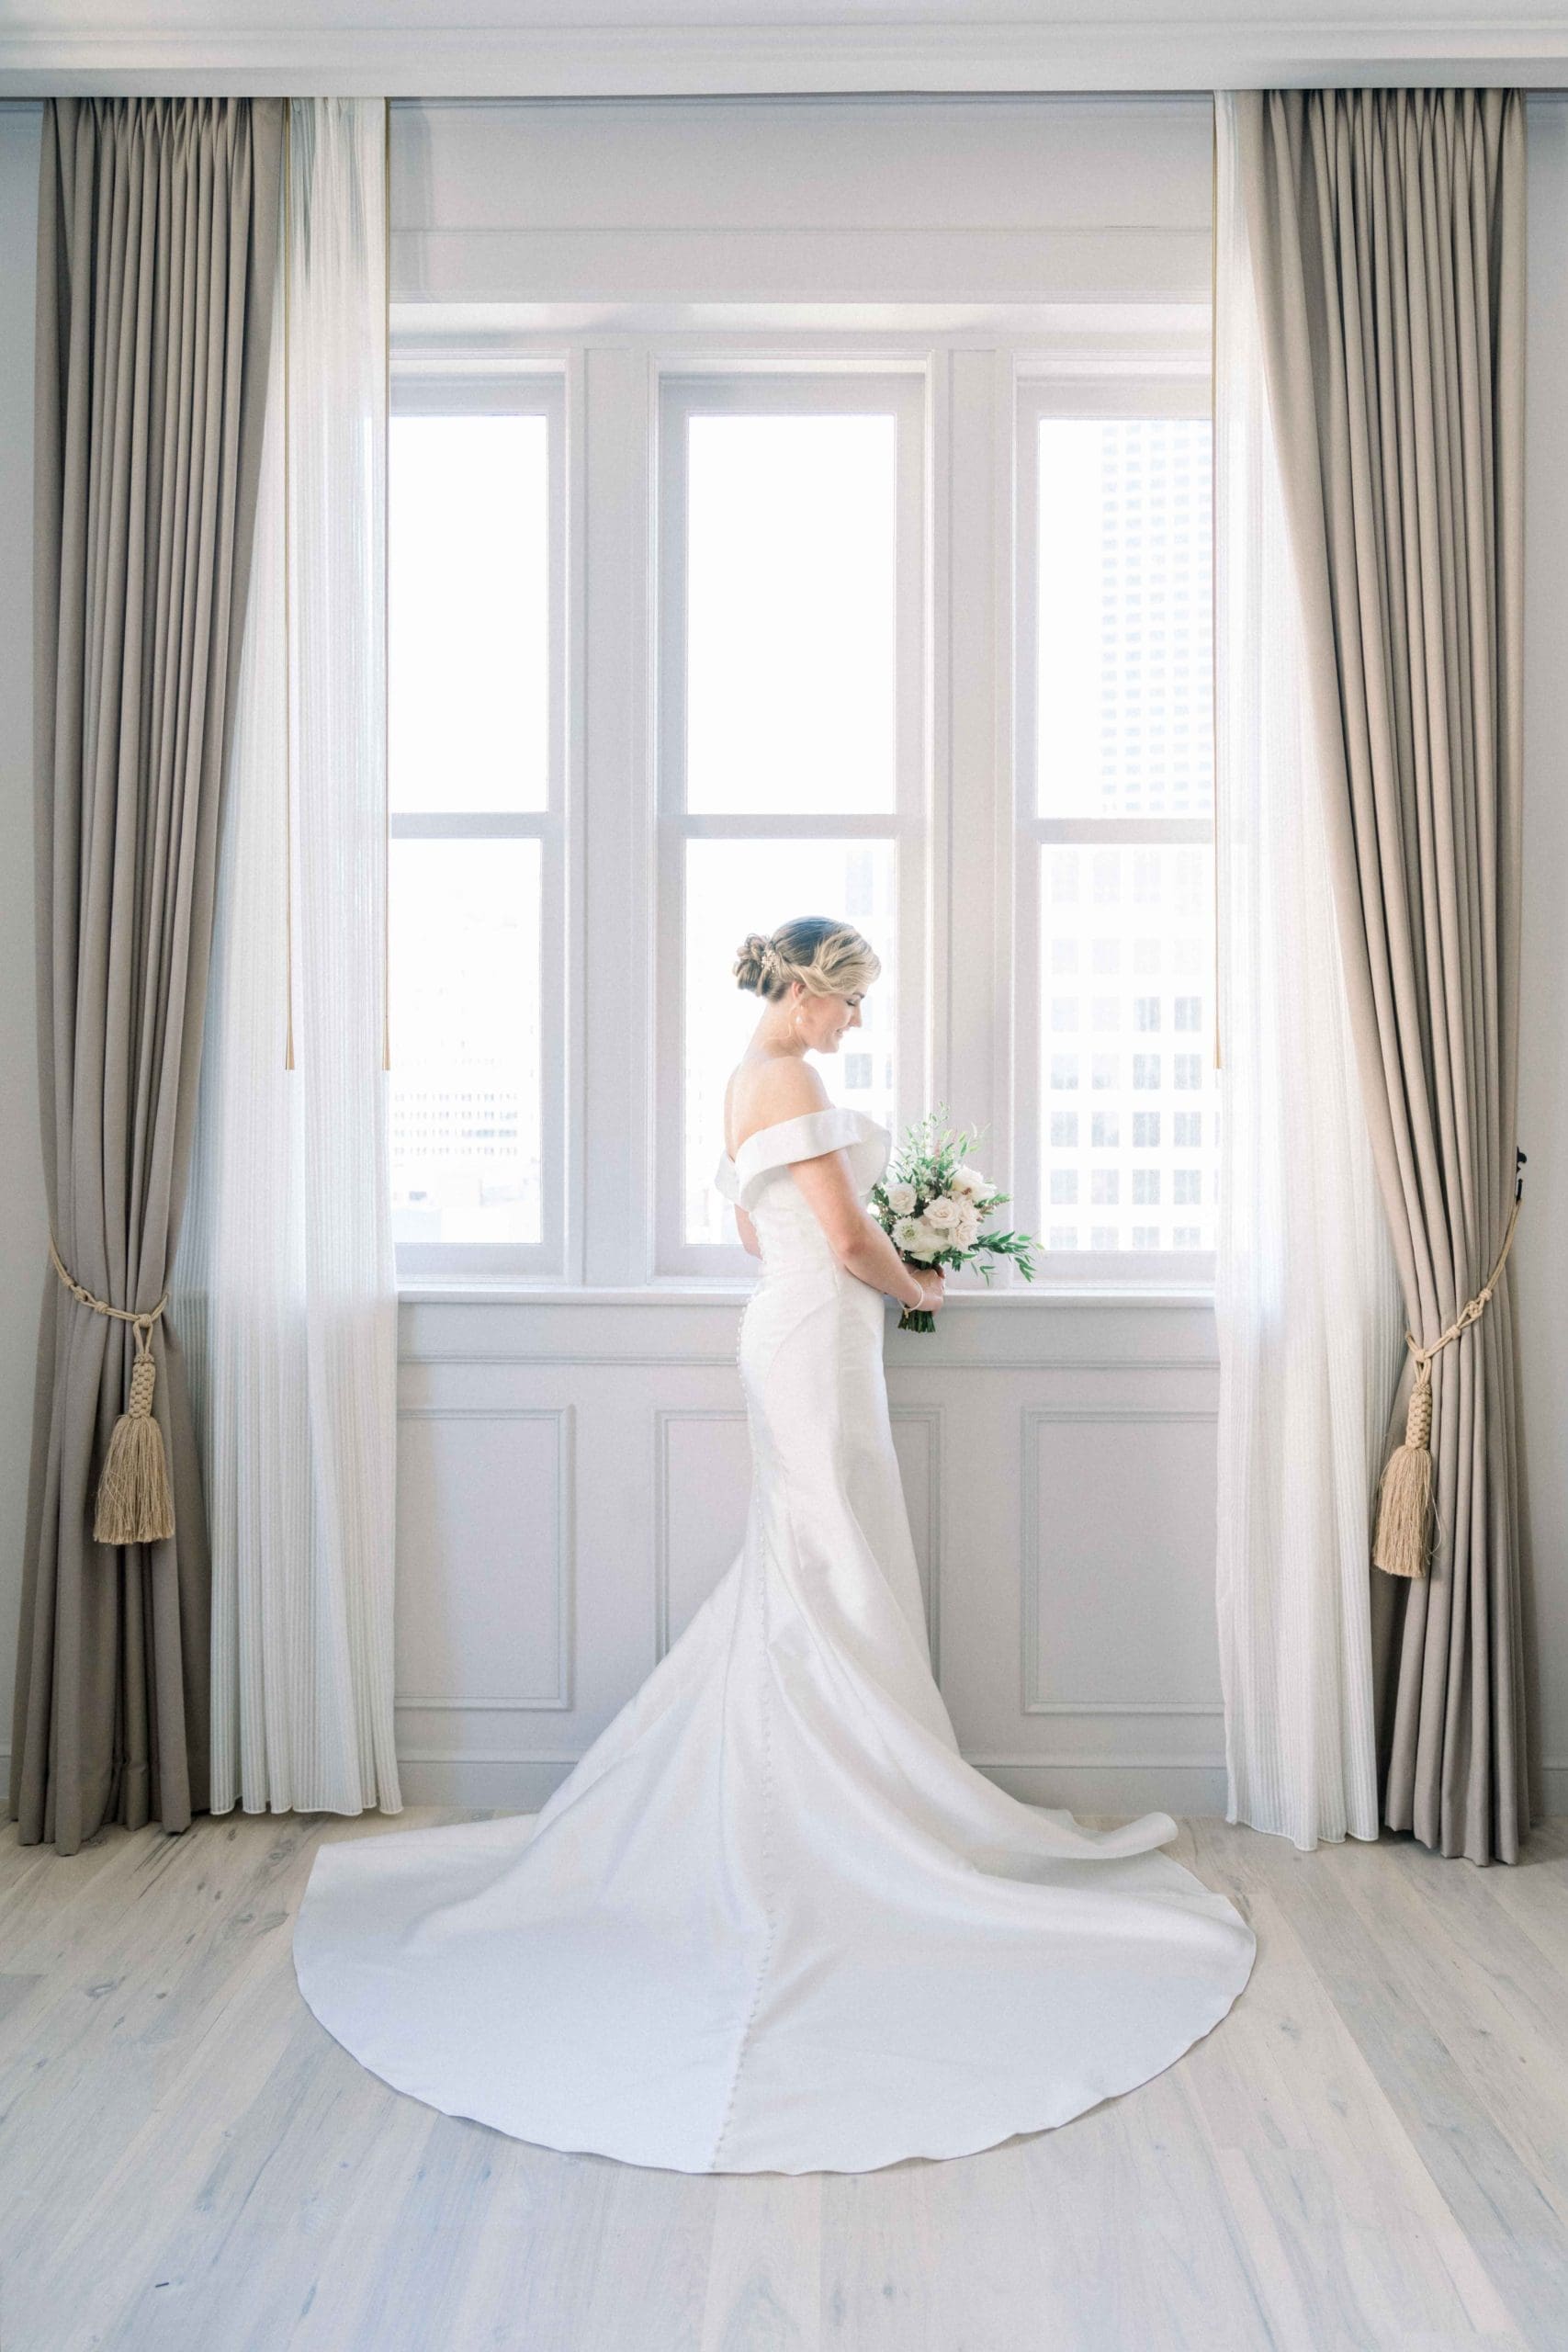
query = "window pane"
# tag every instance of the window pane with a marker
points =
(733, 887)
(465, 1016)
(790, 649)
(468, 613)
(1128, 1123)
(1124, 697)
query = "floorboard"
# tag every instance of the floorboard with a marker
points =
(1371, 2150)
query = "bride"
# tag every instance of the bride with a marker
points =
(772, 1921)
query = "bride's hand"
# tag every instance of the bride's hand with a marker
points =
(934, 1289)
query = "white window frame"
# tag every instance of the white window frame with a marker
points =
(963, 824)
(1175, 391)
(797, 391)
(444, 386)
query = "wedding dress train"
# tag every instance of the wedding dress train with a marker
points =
(772, 1921)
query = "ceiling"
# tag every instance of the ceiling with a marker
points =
(492, 48)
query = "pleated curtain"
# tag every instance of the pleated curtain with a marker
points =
(286, 1286)
(156, 250)
(1384, 231)
(1307, 1295)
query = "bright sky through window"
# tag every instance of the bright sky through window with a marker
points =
(1125, 704)
(465, 1008)
(469, 750)
(791, 553)
(468, 613)
(1128, 1104)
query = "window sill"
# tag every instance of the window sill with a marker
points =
(679, 1291)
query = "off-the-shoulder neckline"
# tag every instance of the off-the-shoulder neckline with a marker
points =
(825, 1111)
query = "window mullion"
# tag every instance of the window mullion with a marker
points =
(618, 893)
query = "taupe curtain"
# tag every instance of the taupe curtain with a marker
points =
(1388, 235)
(157, 248)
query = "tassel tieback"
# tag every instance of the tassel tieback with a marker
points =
(135, 1503)
(1404, 1536)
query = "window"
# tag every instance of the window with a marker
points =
(475, 783)
(1116, 806)
(691, 635)
(790, 731)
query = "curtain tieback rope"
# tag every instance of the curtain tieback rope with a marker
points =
(135, 1501)
(1403, 1534)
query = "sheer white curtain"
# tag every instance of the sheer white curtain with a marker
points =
(1310, 1318)
(287, 1284)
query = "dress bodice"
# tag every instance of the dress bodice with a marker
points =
(756, 1179)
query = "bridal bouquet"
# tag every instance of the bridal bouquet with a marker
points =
(933, 1204)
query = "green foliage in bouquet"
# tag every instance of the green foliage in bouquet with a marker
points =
(932, 1205)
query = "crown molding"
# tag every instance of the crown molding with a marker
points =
(1128, 54)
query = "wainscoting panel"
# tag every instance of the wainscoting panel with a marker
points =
(917, 1440)
(1101, 1557)
(702, 1482)
(492, 1486)
(574, 1479)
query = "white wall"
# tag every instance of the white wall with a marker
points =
(23, 1224)
(972, 203)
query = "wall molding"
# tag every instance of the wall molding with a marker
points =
(934, 1418)
(1172, 55)
(666, 1415)
(681, 1360)
(556, 1360)
(664, 1418)
(561, 1700)
(514, 1784)
(1194, 1787)
(1032, 1700)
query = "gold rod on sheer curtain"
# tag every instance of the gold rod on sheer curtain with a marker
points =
(387, 587)
(1214, 535)
(288, 590)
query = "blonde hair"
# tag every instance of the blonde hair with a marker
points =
(830, 958)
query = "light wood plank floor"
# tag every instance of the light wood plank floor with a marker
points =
(1371, 2149)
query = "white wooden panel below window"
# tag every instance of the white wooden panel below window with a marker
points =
(1123, 1659)
(703, 1485)
(703, 1482)
(1118, 1561)
(917, 1440)
(484, 1558)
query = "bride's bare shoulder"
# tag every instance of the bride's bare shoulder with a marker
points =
(766, 1088)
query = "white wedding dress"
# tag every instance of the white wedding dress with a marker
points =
(772, 1921)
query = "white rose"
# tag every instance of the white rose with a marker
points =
(967, 1180)
(967, 1231)
(942, 1213)
(903, 1199)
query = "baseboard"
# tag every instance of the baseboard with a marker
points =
(1119, 1785)
(521, 1784)
(1193, 1792)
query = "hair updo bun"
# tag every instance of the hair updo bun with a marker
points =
(753, 962)
(827, 957)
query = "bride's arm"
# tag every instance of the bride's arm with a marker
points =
(747, 1231)
(857, 1240)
